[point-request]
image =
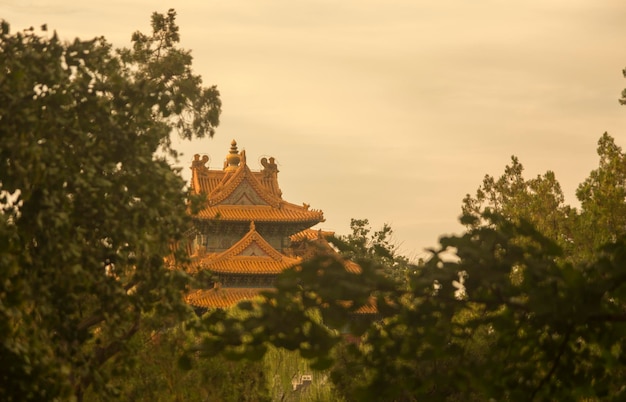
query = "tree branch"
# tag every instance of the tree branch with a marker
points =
(101, 355)
(555, 364)
(90, 322)
(105, 353)
(608, 317)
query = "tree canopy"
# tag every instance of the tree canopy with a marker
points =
(531, 305)
(88, 207)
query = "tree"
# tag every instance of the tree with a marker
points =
(527, 326)
(157, 374)
(602, 198)
(539, 201)
(531, 309)
(527, 310)
(89, 210)
(363, 246)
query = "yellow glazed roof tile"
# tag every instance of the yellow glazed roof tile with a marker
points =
(222, 298)
(250, 255)
(320, 246)
(206, 181)
(310, 234)
(249, 265)
(220, 185)
(260, 213)
(228, 297)
(237, 178)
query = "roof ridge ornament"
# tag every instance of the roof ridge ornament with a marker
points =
(270, 168)
(233, 158)
(198, 163)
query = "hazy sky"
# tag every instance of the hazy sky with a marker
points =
(390, 110)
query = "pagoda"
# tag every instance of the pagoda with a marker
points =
(245, 234)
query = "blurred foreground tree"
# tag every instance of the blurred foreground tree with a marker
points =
(157, 376)
(527, 325)
(88, 210)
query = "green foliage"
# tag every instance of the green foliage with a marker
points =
(88, 211)
(531, 308)
(539, 201)
(164, 75)
(622, 100)
(602, 197)
(364, 247)
(312, 304)
(526, 326)
(283, 368)
(528, 304)
(159, 373)
(163, 371)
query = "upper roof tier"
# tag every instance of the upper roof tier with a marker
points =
(236, 193)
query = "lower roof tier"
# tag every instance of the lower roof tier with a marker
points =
(229, 297)
(222, 297)
(255, 265)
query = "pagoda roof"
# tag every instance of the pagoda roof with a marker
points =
(233, 180)
(251, 255)
(238, 194)
(313, 243)
(213, 181)
(310, 234)
(222, 297)
(261, 213)
(228, 297)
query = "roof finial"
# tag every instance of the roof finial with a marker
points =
(252, 227)
(233, 158)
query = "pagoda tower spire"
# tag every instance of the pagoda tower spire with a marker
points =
(232, 158)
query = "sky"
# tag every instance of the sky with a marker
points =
(389, 110)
